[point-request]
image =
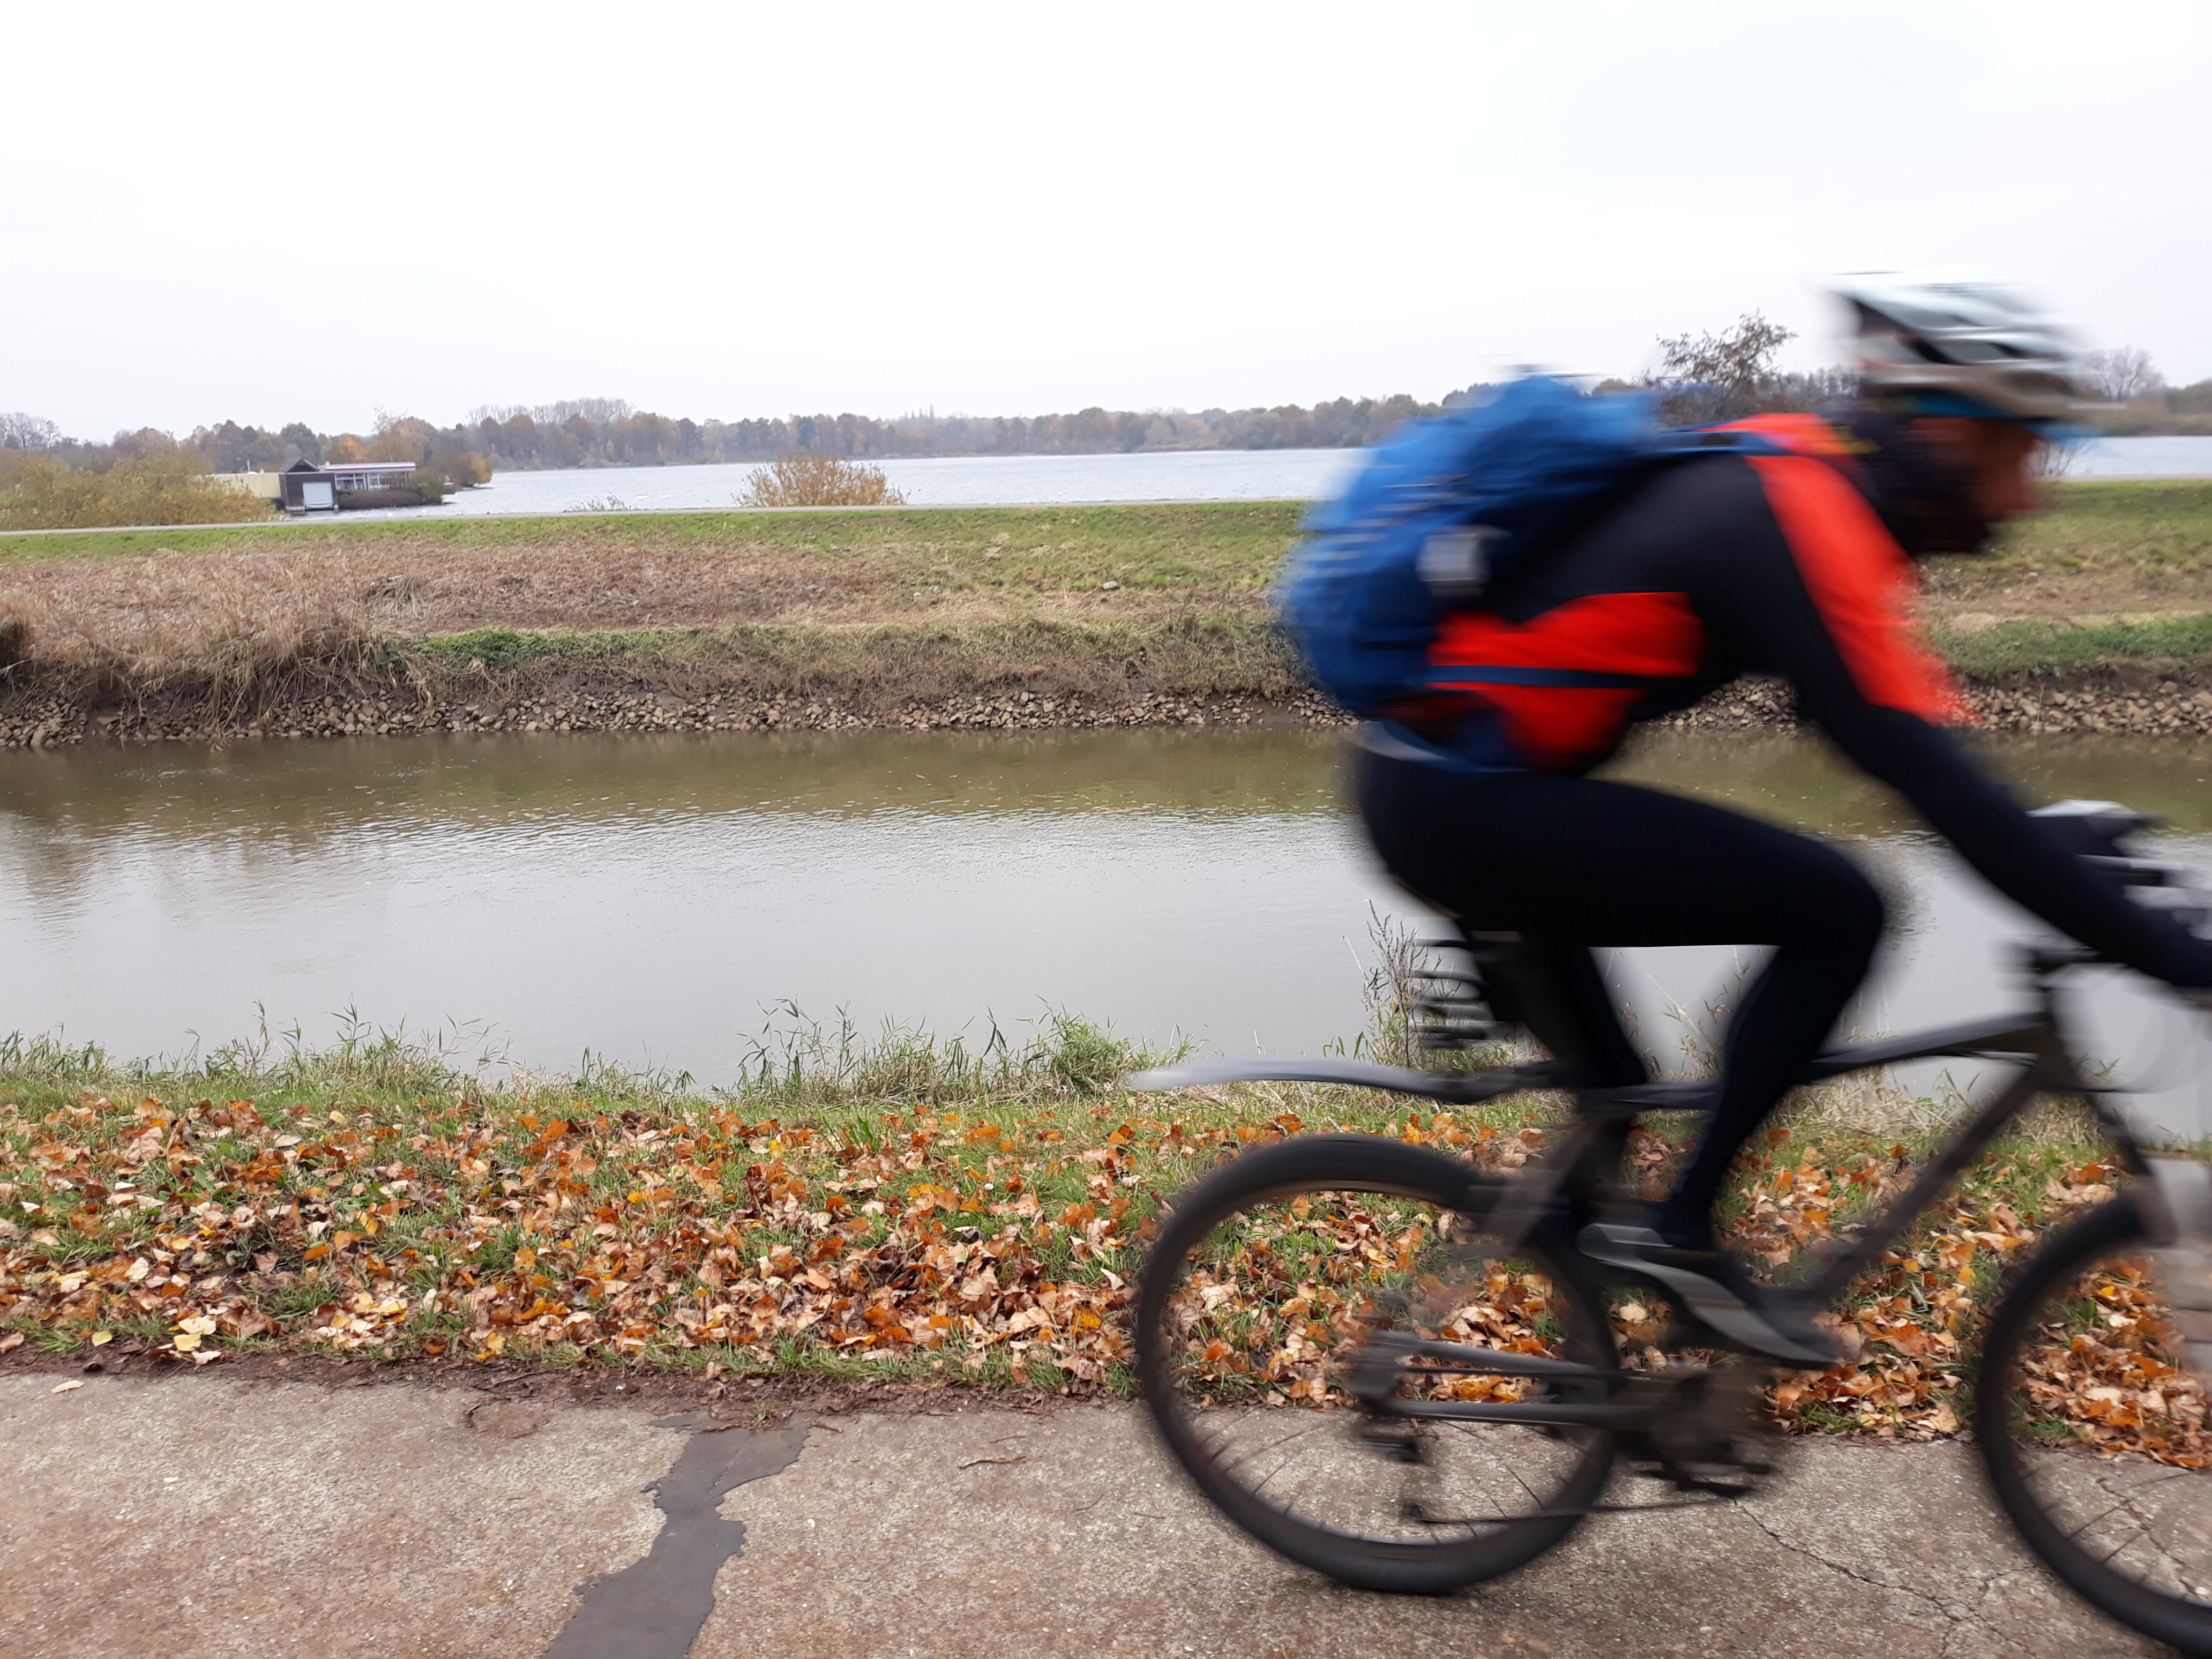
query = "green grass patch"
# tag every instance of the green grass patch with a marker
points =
(2050, 647)
(507, 647)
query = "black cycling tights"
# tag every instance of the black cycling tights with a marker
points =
(1569, 862)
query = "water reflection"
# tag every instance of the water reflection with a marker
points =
(649, 896)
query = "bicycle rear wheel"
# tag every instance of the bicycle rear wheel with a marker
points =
(2094, 1435)
(1272, 1285)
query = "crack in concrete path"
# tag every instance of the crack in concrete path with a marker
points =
(655, 1608)
(1958, 1618)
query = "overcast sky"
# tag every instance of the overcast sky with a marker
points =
(726, 210)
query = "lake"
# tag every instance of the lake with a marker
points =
(668, 901)
(1190, 475)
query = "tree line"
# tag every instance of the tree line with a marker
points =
(616, 436)
(593, 432)
(1701, 378)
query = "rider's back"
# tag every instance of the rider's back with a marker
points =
(1687, 581)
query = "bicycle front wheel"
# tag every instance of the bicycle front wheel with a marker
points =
(1273, 1283)
(2094, 1433)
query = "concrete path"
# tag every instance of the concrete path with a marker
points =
(192, 1515)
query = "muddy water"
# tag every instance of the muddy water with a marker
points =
(664, 901)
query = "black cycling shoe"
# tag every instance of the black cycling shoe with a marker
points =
(1715, 1291)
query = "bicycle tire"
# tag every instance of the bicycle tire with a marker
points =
(2033, 1472)
(1364, 1165)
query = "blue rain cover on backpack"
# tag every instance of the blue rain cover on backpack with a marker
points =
(1446, 507)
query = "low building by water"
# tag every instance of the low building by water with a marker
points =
(310, 488)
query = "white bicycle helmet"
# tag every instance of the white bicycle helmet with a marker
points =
(1962, 345)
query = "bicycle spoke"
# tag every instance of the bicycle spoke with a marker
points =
(1274, 1308)
(2096, 1434)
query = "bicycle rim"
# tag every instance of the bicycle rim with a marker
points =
(1263, 1298)
(2095, 1435)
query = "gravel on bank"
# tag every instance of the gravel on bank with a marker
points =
(56, 722)
(2168, 705)
(2163, 706)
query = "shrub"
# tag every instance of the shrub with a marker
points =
(38, 492)
(809, 480)
(428, 482)
(463, 468)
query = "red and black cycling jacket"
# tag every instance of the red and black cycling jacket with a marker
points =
(1636, 616)
(1720, 566)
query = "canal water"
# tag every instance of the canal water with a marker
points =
(672, 901)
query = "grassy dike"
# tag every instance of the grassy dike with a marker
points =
(2096, 616)
(695, 621)
(906, 1212)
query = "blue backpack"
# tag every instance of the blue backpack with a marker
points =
(1445, 508)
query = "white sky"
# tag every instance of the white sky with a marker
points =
(737, 210)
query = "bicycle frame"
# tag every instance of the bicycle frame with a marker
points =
(1587, 1158)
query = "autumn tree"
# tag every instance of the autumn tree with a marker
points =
(1706, 378)
(401, 438)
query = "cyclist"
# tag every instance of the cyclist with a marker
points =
(1478, 797)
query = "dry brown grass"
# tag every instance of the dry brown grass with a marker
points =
(2107, 548)
(413, 591)
(228, 637)
(232, 633)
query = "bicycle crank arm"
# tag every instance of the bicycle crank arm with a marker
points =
(1374, 1378)
(1623, 1417)
(1455, 1358)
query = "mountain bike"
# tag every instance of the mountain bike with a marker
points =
(1398, 1369)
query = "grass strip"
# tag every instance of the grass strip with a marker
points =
(910, 1209)
(2153, 528)
(2046, 648)
(1175, 543)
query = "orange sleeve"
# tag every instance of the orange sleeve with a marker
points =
(1862, 584)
